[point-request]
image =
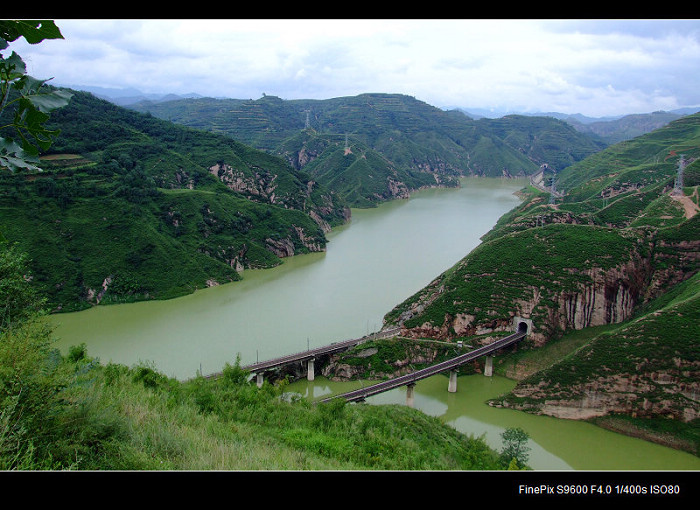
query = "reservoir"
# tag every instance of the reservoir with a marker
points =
(380, 258)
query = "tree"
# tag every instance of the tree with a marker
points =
(18, 300)
(514, 447)
(25, 103)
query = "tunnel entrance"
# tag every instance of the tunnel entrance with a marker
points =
(522, 325)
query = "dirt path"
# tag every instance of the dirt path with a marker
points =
(691, 209)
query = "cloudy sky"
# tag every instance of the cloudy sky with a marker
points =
(593, 67)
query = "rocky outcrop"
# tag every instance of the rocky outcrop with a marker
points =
(94, 296)
(260, 184)
(280, 247)
(397, 189)
(286, 247)
(609, 298)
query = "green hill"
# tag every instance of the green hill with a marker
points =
(618, 249)
(132, 207)
(403, 143)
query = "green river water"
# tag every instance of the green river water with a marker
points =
(381, 257)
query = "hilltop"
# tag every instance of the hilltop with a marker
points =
(131, 207)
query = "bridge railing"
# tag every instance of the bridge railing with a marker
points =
(443, 366)
(336, 346)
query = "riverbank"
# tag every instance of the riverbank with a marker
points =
(385, 359)
(682, 440)
(382, 256)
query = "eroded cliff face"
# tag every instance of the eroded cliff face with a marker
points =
(609, 297)
(574, 299)
(262, 185)
(286, 247)
(601, 297)
(664, 393)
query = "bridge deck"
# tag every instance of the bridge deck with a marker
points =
(361, 394)
(312, 353)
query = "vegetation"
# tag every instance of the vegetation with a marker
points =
(374, 147)
(24, 101)
(128, 195)
(132, 207)
(123, 196)
(515, 448)
(609, 276)
(72, 412)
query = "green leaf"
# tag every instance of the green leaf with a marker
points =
(46, 102)
(14, 163)
(12, 67)
(34, 31)
(12, 156)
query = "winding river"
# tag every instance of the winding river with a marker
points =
(380, 258)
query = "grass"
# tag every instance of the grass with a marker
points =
(82, 415)
(233, 425)
(523, 363)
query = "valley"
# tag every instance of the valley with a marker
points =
(133, 212)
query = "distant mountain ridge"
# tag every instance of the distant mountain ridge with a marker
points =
(605, 130)
(127, 96)
(408, 143)
(609, 130)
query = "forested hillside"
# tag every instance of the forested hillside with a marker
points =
(132, 207)
(374, 147)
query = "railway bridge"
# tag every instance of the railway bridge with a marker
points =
(308, 357)
(521, 327)
(451, 365)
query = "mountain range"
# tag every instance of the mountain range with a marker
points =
(610, 129)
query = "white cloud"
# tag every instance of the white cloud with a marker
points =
(593, 67)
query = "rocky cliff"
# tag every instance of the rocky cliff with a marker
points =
(649, 367)
(569, 277)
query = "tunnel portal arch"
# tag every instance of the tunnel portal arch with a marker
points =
(522, 325)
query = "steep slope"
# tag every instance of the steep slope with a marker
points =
(617, 242)
(647, 367)
(544, 140)
(133, 207)
(361, 175)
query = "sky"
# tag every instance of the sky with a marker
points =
(593, 67)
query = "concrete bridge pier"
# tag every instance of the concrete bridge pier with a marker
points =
(310, 369)
(259, 379)
(452, 386)
(410, 393)
(488, 366)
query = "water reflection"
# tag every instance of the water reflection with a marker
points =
(555, 444)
